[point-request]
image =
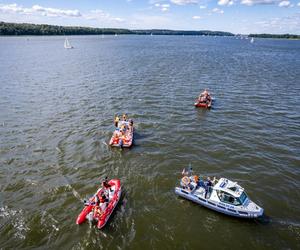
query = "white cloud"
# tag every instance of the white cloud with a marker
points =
(257, 2)
(100, 15)
(202, 7)
(225, 2)
(298, 4)
(39, 10)
(287, 24)
(217, 10)
(163, 7)
(285, 4)
(184, 2)
(197, 17)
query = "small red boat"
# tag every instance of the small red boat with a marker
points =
(100, 212)
(204, 100)
(206, 104)
(123, 135)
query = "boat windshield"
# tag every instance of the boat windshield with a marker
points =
(243, 197)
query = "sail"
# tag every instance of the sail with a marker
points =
(67, 44)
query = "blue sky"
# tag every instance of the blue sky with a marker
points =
(237, 16)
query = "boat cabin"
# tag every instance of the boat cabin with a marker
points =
(230, 192)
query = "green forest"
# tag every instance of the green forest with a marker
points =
(283, 36)
(26, 29)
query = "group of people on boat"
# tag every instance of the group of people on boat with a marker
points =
(204, 97)
(189, 179)
(124, 127)
(101, 199)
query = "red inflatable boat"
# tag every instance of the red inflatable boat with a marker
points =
(123, 135)
(101, 211)
(203, 104)
(204, 100)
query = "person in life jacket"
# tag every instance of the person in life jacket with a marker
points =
(116, 137)
(103, 202)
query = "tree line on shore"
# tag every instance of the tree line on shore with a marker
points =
(21, 29)
(282, 36)
(28, 29)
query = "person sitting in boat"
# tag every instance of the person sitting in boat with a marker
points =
(116, 137)
(117, 119)
(105, 184)
(124, 117)
(96, 208)
(123, 128)
(204, 96)
(103, 202)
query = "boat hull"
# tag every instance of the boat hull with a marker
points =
(218, 206)
(113, 201)
(203, 104)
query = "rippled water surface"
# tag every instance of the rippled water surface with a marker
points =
(56, 112)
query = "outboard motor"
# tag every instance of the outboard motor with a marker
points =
(120, 142)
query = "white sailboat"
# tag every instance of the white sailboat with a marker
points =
(67, 44)
(252, 40)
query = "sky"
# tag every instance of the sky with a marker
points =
(237, 16)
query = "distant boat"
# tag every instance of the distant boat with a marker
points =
(116, 34)
(151, 34)
(67, 44)
(252, 40)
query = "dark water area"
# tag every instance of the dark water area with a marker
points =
(56, 113)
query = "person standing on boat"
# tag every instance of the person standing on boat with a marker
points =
(117, 119)
(208, 185)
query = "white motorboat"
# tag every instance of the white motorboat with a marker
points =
(221, 195)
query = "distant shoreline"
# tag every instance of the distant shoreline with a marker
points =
(23, 29)
(28, 29)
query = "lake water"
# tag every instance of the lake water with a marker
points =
(56, 118)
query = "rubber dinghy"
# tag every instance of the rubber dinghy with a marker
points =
(100, 212)
(206, 104)
(123, 135)
(221, 195)
(204, 100)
